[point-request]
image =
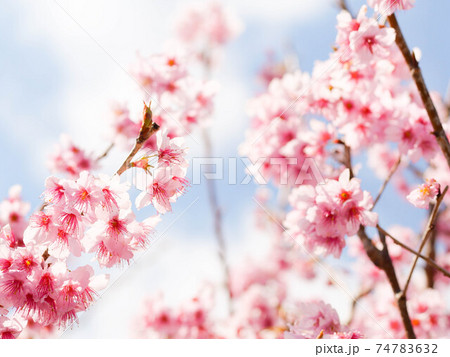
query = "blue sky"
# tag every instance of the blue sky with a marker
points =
(54, 78)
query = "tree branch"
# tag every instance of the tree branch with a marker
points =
(431, 254)
(438, 130)
(386, 181)
(389, 270)
(382, 260)
(404, 246)
(362, 294)
(430, 227)
(148, 128)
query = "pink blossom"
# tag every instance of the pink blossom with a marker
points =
(192, 319)
(387, 7)
(160, 73)
(9, 328)
(54, 190)
(203, 28)
(84, 194)
(165, 185)
(422, 195)
(170, 151)
(318, 319)
(324, 214)
(69, 159)
(123, 128)
(257, 312)
(13, 212)
(427, 310)
(41, 227)
(369, 40)
(114, 194)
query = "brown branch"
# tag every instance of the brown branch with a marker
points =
(429, 228)
(148, 128)
(382, 260)
(438, 130)
(386, 181)
(389, 270)
(431, 254)
(347, 159)
(409, 249)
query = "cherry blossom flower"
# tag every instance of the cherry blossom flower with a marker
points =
(315, 318)
(324, 214)
(422, 195)
(387, 7)
(164, 186)
(13, 212)
(9, 328)
(369, 39)
(171, 151)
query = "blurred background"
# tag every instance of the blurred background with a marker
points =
(63, 64)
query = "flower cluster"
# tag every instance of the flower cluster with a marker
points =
(184, 101)
(324, 214)
(167, 181)
(43, 289)
(427, 308)
(319, 320)
(362, 96)
(203, 29)
(84, 213)
(190, 320)
(69, 159)
(359, 101)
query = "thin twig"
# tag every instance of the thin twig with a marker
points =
(344, 6)
(386, 181)
(429, 228)
(409, 249)
(213, 200)
(416, 171)
(105, 153)
(417, 76)
(218, 229)
(148, 128)
(362, 294)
